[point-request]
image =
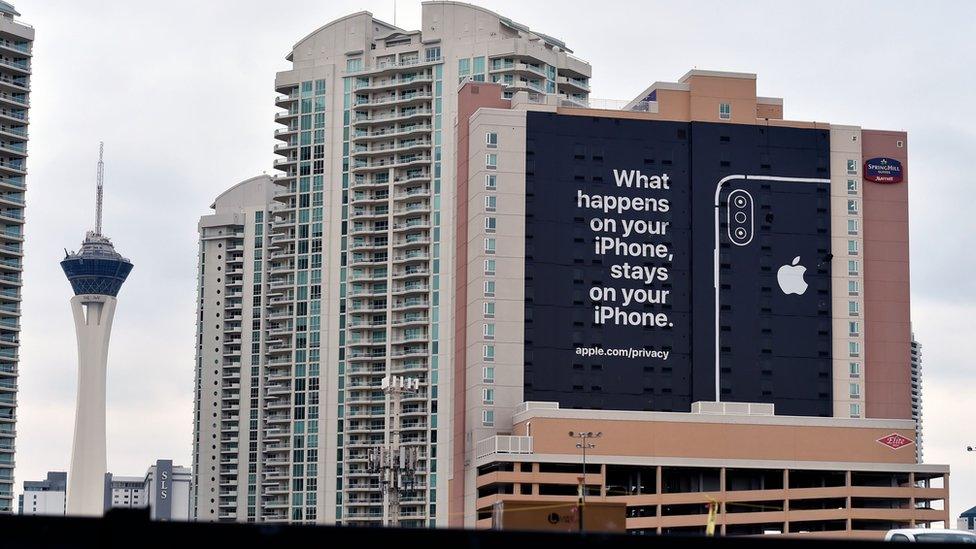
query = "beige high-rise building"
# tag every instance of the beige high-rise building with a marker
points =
(16, 43)
(341, 273)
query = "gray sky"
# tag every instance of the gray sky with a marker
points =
(182, 94)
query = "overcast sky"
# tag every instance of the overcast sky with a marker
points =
(182, 94)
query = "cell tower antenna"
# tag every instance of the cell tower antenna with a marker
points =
(99, 183)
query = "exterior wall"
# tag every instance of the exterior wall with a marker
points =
(708, 90)
(769, 107)
(48, 503)
(16, 45)
(127, 493)
(491, 398)
(651, 435)
(916, 359)
(845, 208)
(887, 305)
(469, 101)
(226, 271)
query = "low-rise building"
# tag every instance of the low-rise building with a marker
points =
(767, 473)
(164, 489)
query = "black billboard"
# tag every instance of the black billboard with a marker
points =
(621, 263)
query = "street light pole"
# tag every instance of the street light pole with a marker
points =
(583, 444)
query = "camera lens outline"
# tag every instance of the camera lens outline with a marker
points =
(739, 217)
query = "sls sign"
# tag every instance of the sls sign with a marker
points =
(883, 170)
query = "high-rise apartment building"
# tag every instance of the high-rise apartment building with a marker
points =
(352, 270)
(16, 41)
(916, 361)
(230, 329)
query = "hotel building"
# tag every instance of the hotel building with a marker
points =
(835, 195)
(419, 228)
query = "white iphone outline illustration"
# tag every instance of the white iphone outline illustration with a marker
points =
(722, 183)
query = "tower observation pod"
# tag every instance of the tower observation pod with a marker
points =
(96, 273)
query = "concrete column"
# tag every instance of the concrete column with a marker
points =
(93, 315)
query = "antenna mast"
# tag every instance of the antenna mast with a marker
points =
(100, 181)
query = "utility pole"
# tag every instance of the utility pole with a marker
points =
(395, 464)
(583, 444)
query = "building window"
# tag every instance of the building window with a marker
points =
(855, 369)
(488, 374)
(489, 309)
(489, 330)
(853, 267)
(854, 348)
(853, 287)
(488, 395)
(488, 418)
(491, 161)
(489, 267)
(491, 203)
(852, 247)
(491, 183)
(851, 166)
(432, 54)
(464, 67)
(489, 288)
(488, 353)
(854, 328)
(855, 390)
(852, 207)
(725, 111)
(489, 245)
(853, 308)
(354, 65)
(851, 186)
(855, 409)
(491, 139)
(852, 226)
(491, 224)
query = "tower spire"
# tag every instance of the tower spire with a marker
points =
(100, 181)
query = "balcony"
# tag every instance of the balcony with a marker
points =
(403, 80)
(383, 133)
(574, 85)
(380, 68)
(386, 118)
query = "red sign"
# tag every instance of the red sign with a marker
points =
(895, 441)
(883, 170)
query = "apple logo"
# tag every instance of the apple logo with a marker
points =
(790, 278)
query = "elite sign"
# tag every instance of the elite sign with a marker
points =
(883, 170)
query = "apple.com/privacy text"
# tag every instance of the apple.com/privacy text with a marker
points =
(624, 352)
